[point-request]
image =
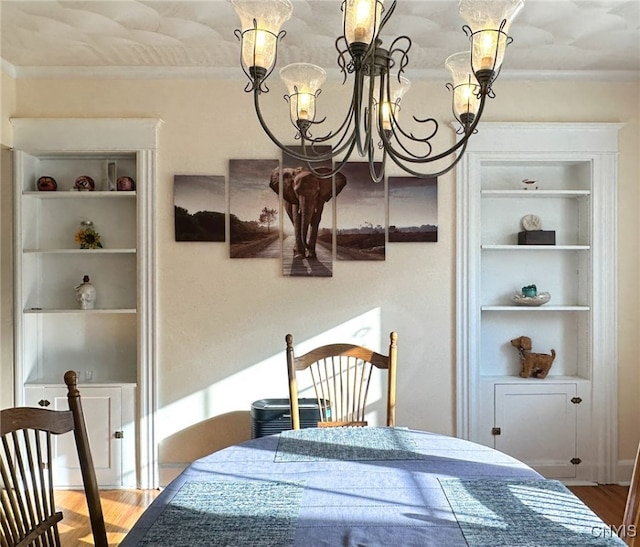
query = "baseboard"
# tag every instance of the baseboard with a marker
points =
(624, 471)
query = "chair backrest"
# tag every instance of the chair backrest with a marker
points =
(341, 376)
(28, 514)
(631, 519)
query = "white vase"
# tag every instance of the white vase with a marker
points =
(86, 294)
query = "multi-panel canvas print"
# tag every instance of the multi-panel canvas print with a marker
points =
(360, 215)
(307, 204)
(254, 226)
(199, 207)
(413, 209)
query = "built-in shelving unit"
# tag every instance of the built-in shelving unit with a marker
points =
(565, 174)
(110, 346)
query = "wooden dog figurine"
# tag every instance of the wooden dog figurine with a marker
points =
(535, 365)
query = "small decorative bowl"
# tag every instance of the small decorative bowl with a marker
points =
(125, 184)
(84, 183)
(541, 298)
(47, 184)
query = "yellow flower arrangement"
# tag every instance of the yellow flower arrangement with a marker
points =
(87, 237)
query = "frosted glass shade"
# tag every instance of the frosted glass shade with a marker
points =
(489, 21)
(361, 20)
(391, 109)
(465, 87)
(489, 14)
(261, 21)
(303, 81)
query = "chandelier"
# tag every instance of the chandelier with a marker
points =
(371, 125)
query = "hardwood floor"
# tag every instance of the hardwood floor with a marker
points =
(606, 500)
(122, 508)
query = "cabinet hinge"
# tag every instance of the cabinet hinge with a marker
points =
(576, 400)
(496, 431)
(119, 434)
(576, 461)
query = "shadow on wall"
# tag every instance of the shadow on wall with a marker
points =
(205, 437)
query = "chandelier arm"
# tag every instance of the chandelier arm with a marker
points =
(376, 176)
(343, 64)
(435, 174)
(405, 149)
(358, 92)
(387, 15)
(337, 167)
(394, 49)
(346, 143)
(343, 130)
(398, 130)
(342, 134)
(276, 141)
(411, 158)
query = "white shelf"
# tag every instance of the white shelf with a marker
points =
(535, 308)
(78, 311)
(535, 193)
(529, 248)
(54, 382)
(79, 251)
(508, 379)
(67, 194)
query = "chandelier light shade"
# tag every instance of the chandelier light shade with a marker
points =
(303, 81)
(371, 124)
(465, 88)
(489, 22)
(361, 19)
(390, 108)
(261, 21)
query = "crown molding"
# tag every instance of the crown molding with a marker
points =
(235, 73)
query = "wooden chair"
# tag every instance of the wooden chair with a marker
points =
(341, 375)
(28, 514)
(631, 519)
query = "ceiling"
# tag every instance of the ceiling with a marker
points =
(131, 38)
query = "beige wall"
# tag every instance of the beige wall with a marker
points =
(7, 107)
(222, 322)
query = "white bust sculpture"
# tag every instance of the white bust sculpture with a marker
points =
(86, 294)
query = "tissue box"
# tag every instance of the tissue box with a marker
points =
(537, 237)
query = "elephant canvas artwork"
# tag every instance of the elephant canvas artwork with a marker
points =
(307, 243)
(199, 207)
(413, 209)
(361, 215)
(254, 223)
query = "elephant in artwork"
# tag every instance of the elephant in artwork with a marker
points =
(304, 197)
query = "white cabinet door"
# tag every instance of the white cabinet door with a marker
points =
(538, 424)
(102, 408)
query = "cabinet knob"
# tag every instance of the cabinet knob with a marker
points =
(119, 434)
(44, 402)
